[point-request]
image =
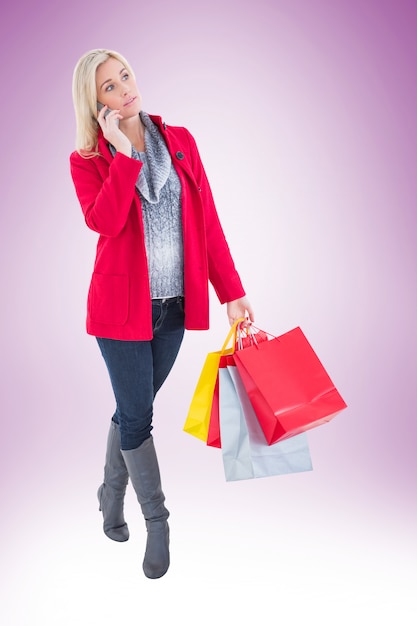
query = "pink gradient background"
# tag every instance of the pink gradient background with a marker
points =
(305, 115)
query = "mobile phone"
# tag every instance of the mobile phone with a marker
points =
(100, 106)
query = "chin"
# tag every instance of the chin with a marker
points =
(131, 113)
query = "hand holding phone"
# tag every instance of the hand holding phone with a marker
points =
(110, 129)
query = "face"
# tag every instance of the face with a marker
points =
(117, 88)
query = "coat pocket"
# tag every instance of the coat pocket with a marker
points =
(108, 300)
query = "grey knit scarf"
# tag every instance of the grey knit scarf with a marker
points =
(159, 189)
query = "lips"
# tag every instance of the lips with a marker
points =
(126, 104)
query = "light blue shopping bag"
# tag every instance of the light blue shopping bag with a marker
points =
(245, 451)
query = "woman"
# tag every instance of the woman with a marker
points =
(143, 189)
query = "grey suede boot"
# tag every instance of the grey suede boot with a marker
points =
(142, 465)
(112, 492)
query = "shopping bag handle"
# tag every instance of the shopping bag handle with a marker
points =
(250, 334)
(232, 333)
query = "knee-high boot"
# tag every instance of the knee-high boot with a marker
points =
(142, 465)
(112, 492)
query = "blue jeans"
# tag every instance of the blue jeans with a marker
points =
(138, 369)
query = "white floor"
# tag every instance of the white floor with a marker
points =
(282, 550)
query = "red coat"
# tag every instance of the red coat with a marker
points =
(119, 302)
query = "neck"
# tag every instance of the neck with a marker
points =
(134, 131)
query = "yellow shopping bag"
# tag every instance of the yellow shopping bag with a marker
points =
(198, 418)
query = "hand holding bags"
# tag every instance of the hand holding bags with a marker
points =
(287, 385)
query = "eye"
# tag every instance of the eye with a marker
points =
(125, 76)
(109, 87)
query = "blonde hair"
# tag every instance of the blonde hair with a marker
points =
(84, 95)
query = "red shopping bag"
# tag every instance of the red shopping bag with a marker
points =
(244, 339)
(213, 436)
(287, 385)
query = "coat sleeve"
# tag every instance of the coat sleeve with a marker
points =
(221, 268)
(105, 203)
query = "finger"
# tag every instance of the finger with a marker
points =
(101, 112)
(113, 119)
